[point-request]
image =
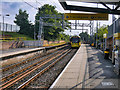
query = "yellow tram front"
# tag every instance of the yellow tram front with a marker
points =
(75, 41)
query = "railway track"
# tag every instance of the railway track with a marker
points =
(3, 69)
(45, 80)
(37, 68)
(41, 72)
(21, 70)
(12, 68)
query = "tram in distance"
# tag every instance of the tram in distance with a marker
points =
(75, 41)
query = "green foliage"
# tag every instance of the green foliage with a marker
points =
(16, 35)
(26, 27)
(84, 36)
(65, 37)
(50, 32)
(102, 30)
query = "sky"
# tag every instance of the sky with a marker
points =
(12, 7)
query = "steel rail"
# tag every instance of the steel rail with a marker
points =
(26, 73)
(4, 78)
(41, 72)
(23, 62)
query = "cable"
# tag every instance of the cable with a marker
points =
(57, 5)
(38, 2)
(50, 2)
(30, 5)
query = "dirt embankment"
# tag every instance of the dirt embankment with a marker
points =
(5, 45)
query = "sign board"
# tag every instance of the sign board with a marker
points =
(117, 35)
(105, 35)
(82, 16)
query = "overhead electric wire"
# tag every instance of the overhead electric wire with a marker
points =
(54, 3)
(50, 2)
(58, 6)
(30, 5)
(38, 2)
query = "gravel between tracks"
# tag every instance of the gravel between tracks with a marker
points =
(27, 64)
(46, 80)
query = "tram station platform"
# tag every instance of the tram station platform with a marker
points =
(17, 51)
(87, 69)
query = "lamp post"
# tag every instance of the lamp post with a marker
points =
(3, 22)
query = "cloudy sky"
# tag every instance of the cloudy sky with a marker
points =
(11, 7)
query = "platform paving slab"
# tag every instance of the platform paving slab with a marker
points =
(88, 70)
(10, 52)
(100, 73)
(75, 71)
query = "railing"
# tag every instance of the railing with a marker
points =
(11, 38)
(9, 27)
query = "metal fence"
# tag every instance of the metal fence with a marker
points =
(33, 43)
(117, 28)
(9, 27)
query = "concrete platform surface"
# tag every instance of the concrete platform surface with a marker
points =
(74, 71)
(88, 70)
(10, 52)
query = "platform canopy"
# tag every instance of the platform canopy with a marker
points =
(105, 3)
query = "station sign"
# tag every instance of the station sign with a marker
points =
(83, 16)
(105, 35)
(117, 35)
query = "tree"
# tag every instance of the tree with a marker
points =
(50, 32)
(102, 30)
(25, 26)
(84, 36)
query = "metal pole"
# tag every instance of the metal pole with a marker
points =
(93, 29)
(40, 29)
(0, 26)
(113, 21)
(113, 52)
(90, 28)
(40, 23)
(90, 33)
(11, 28)
(34, 33)
(70, 30)
(3, 26)
(75, 24)
(6, 27)
(105, 43)
(82, 27)
(16, 28)
(96, 33)
(96, 30)
(70, 26)
(63, 21)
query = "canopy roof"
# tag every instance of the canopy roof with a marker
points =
(91, 9)
(91, 0)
